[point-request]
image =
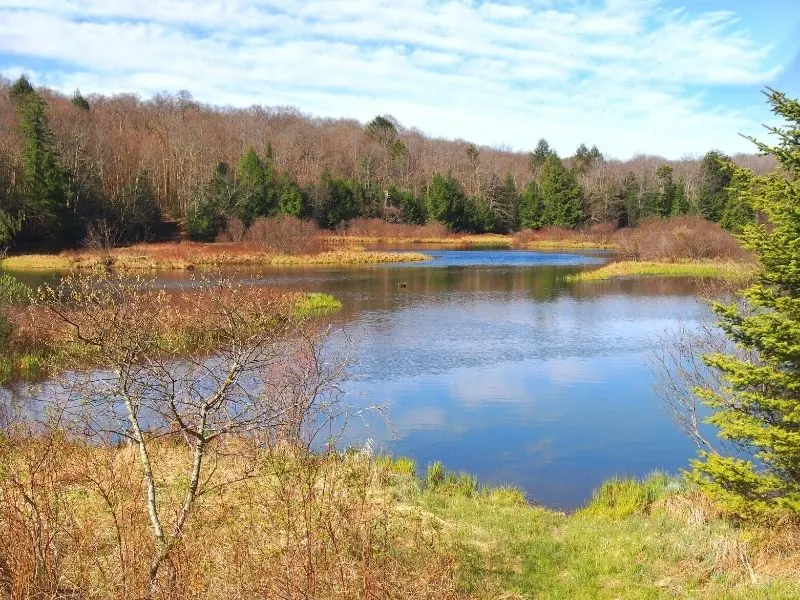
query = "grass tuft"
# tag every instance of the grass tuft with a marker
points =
(317, 305)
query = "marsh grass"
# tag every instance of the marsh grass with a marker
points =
(316, 304)
(191, 255)
(40, 343)
(726, 270)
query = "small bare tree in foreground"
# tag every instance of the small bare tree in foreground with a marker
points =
(198, 367)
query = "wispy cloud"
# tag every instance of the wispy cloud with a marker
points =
(629, 75)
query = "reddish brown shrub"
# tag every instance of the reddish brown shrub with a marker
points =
(378, 228)
(679, 238)
(234, 231)
(285, 235)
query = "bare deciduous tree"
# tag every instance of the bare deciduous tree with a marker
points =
(220, 362)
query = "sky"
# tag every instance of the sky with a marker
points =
(668, 77)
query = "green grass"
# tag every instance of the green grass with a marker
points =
(317, 305)
(732, 271)
(624, 544)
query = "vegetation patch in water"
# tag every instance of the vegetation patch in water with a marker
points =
(312, 305)
(735, 271)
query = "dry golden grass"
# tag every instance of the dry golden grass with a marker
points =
(192, 255)
(281, 524)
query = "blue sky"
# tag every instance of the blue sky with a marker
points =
(669, 77)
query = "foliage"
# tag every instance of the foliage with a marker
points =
(78, 101)
(561, 194)
(756, 408)
(206, 216)
(531, 214)
(332, 201)
(715, 177)
(446, 202)
(290, 198)
(682, 238)
(46, 198)
(255, 188)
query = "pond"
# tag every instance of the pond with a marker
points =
(491, 363)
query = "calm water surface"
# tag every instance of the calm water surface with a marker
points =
(489, 362)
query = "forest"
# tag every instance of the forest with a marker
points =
(170, 167)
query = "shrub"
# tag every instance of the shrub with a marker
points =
(679, 238)
(378, 228)
(234, 231)
(285, 235)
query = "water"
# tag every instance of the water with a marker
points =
(491, 363)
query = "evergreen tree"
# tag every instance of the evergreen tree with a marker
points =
(738, 213)
(46, 193)
(680, 205)
(205, 218)
(712, 190)
(630, 193)
(447, 204)
(20, 89)
(531, 210)
(78, 101)
(412, 209)
(539, 155)
(561, 194)
(664, 197)
(255, 188)
(332, 201)
(290, 198)
(758, 406)
(583, 159)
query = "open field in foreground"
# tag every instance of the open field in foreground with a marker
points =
(286, 524)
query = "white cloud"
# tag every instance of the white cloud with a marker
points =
(624, 74)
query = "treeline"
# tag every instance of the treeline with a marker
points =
(139, 170)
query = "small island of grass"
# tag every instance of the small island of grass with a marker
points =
(730, 271)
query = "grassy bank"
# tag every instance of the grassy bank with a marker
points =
(730, 271)
(288, 524)
(189, 255)
(36, 343)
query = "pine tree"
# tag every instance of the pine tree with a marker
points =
(712, 190)
(447, 204)
(531, 208)
(205, 218)
(561, 194)
(46, 195)
(666, 193)
(255, 188)
(290, 198)
(758, 407)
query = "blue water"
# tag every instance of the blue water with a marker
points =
(490, 362)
